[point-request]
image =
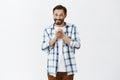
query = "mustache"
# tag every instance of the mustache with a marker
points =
(58, 19)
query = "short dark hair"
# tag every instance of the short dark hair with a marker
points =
(60, 7)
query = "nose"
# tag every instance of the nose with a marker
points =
(58, 17)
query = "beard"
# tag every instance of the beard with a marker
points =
(58, 21)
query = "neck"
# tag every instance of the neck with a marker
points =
(63, 24)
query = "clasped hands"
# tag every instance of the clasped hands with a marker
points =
(59, 34)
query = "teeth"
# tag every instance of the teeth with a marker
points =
(58, 21)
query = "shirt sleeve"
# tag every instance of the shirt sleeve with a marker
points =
(75, 39)
(45, 41)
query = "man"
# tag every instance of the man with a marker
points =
(60, 40)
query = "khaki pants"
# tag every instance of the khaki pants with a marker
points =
(61, 76)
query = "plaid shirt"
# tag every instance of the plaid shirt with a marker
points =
(68, 50)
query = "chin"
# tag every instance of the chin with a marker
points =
(58, 23)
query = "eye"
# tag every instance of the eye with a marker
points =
(56, 14)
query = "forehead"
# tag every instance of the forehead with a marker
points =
(60, 11)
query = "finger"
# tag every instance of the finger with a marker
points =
(59, 29)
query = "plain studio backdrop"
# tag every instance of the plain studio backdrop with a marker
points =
(21, 28)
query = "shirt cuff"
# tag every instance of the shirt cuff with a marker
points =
(51, 47)
(75, 44)
(71, 44)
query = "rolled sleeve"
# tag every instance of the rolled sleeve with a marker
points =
(75, 40)
(45, 41)
(76, 45)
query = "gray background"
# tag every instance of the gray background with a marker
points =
(21, 25)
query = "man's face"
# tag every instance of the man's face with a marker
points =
(59, 16)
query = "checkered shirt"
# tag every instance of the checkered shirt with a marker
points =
(68, 50)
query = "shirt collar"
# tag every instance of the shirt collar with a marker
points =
(66, 25)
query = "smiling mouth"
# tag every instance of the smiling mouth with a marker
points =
(58, 21)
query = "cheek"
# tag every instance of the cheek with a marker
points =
(62, 17)
(54, 16)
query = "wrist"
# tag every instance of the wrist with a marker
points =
(55, 37)
(64, 36)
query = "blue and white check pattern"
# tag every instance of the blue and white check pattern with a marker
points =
(68, 51)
